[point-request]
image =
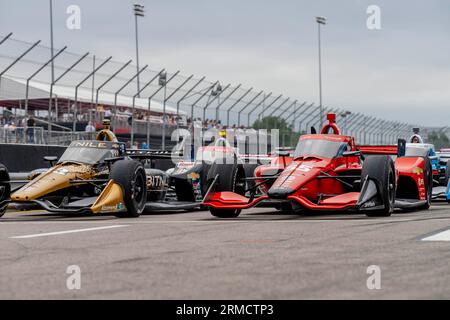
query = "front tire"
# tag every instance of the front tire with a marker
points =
(130, 175)
(381, 169)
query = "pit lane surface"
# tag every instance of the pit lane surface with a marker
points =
(261, 255)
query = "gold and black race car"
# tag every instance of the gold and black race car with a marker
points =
(94, 176)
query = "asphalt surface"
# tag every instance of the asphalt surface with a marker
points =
(261, 255)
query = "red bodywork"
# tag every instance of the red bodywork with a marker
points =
(316, 182)
(409, 172)
(303, 180)
(301, 176)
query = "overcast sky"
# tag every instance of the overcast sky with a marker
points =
(401, 72)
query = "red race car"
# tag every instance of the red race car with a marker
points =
(327, 172)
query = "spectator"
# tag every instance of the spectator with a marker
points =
(135, 146)
(90, 127)
(30, 129)
(21, 123)
(90, 130)
(12, 131)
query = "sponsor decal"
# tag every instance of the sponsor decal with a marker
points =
(155, 181)
(62, 171)
(182, 167)
(89, 144)
(305, 168)
(115, 153)
(194, 176)
(417, 170)
(421, 182)
(185, 164)
(109, 208)
(369, 204)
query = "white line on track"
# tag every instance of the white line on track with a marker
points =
(441, 236)
(66, 232)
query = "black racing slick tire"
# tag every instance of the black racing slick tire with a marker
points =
(5, 188)
(130, 175)
(381, 169)
(230, 179)
(428, 180)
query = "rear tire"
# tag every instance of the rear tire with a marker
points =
(230, 179)
(381, 169)
(5, 188)
(130, 175)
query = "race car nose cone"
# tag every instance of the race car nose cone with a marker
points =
(279, 193)
(46, 183)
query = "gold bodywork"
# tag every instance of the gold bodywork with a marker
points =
(110, 200)
(56, 178)
(63, 175)
(60, 176)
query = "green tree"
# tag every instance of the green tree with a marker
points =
(288, 138)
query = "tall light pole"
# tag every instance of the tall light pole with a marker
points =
(162, 81)
(216, 92)
(320, 21)
(51, 39)
(138, 12)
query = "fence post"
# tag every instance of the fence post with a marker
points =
(164, 108)
(76, 93)
(56, 80)
(213, 99)
(247, 105)
(235, 104)
(224, 100)
(35, 74)
(304, 118)
(17, 59)
(134, 103)
(185, 96)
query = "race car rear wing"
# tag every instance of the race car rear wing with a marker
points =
(399, 150)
